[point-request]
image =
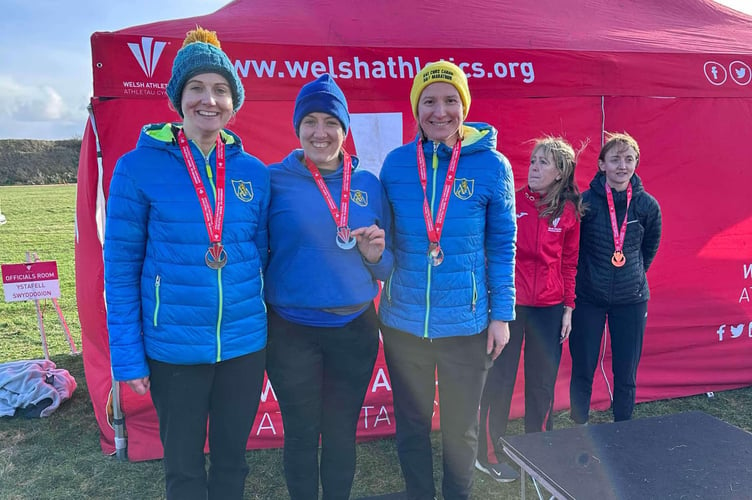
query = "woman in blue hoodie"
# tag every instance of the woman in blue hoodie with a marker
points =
(328, 223)
(451, 294)
(185, 246)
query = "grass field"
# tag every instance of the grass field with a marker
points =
(59, 457)
(39, 219)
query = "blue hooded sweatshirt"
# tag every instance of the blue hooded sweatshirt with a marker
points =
(475, 282)
(307, 270)
(163, 301)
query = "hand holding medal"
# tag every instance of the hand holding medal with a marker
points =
(371, 242)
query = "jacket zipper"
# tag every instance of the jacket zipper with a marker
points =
(435, 166)
(475, 292)
(157, 282)
(261, 274)
(219, 271)
(389, 287)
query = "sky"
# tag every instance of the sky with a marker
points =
(45, 59)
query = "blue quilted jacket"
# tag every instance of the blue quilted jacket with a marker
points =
(475, 282)
(162, 300)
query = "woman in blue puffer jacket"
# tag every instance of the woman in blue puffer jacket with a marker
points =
(447, 302)
(184, 251)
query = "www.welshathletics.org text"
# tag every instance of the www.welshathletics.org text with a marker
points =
(390, 68)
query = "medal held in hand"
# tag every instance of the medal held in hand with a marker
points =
(618, 259)
(216, 256)
(343, 238)
(435, 253)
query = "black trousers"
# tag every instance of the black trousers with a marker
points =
(626, 326)
(227, 393)
(460, 365)
(540, 328)
(320, 377)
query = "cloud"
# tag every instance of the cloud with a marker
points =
(29, 103)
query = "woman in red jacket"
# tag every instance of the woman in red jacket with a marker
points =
(548, 236)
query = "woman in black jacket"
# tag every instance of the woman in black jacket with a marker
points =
(619, 238)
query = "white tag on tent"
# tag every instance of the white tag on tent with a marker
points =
(375, 135)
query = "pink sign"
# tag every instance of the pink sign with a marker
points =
(31, 281)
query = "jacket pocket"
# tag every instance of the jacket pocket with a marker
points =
(474, 300)
(157, 283)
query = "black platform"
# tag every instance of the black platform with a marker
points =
(688, 455)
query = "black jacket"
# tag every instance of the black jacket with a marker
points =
(598, 280)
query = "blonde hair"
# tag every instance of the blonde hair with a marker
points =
(565, 189)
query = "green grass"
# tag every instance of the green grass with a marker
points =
(39, 219)
(59, 457)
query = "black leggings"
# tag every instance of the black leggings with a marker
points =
(540, 328)
(626, 326)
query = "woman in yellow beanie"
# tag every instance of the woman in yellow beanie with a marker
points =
(185, 245)
(445, 308)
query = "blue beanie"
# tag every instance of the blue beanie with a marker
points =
(199, 57)
(321, 96)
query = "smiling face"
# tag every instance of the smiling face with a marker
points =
(207, 106)
(440, 113)
(618, 163)
(321, 137)
(543, 172)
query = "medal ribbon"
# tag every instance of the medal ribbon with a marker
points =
(619, 235)
(434, 228)
(340, 216)
(214, 221)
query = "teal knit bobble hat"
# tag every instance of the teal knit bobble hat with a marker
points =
(202, 53)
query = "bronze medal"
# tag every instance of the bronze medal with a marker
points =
(618, 259)
(435, 254)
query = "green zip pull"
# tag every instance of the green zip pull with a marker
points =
(157, 283)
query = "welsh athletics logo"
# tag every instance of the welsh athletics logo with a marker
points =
(147, 54)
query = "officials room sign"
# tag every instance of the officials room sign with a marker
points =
(31, 281)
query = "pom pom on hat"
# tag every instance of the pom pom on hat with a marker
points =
(322, 95)
(202, 53)
(202, 35)
(441, 72)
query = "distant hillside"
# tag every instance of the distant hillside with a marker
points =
(26, 161)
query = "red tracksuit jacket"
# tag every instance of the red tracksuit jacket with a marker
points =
(546, 254)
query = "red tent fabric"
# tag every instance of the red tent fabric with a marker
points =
(675, 74)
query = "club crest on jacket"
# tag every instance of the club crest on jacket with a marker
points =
(243, 190)
(463, 188)
(359, 197)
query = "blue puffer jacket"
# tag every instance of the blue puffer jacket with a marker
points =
(475, 283)
(306, 268)
(162, 300)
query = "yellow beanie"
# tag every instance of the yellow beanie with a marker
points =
(441, 72)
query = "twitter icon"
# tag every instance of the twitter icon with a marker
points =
(740, 73)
